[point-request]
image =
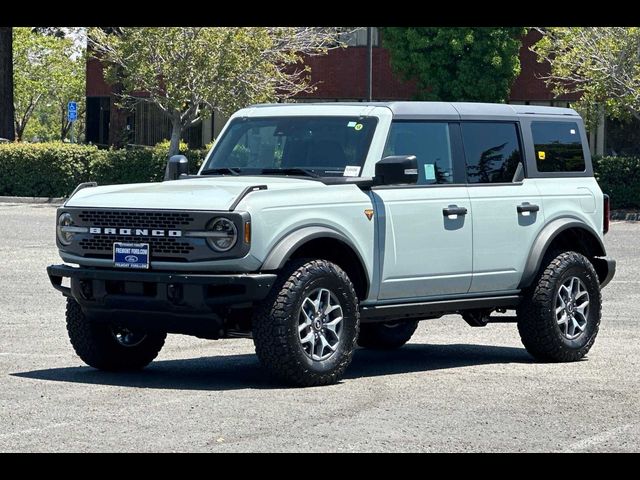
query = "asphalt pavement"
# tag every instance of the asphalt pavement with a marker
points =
(452, 388)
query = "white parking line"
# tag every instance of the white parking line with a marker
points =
(34, 430)
(589, 442)
(46, 355)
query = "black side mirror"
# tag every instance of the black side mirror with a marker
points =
(395, 170)
(176, 166)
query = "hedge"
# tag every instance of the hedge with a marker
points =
(55, 169)
(619, 177)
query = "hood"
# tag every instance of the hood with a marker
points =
(206, 193)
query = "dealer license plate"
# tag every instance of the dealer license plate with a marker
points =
(131, 255)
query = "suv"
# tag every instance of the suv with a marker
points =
(313, 228)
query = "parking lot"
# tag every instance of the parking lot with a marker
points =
(452, 388)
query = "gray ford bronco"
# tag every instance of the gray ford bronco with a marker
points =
(314, 228)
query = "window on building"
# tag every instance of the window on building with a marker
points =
(429, 142)
(558, 147)
(357, 36)
(492, 151)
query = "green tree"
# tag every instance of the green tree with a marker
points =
(476, 64)
(48, 70)
(188, 72)
(601, 63)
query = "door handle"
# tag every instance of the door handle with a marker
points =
(527, 207)
(454, 210)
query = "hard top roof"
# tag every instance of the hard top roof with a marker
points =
(462, 109)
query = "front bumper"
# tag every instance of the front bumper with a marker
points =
(157, 297)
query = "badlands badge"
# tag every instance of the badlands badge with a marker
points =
(369, 213)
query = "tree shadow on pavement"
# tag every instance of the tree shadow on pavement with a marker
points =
(234, 372)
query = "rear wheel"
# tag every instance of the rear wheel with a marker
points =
(559, 317)
(108, 347)
(386, 336)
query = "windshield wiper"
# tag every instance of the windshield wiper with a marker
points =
(291, 171)
(221, 170)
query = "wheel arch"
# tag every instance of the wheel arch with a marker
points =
(325, 243)
(569, 234)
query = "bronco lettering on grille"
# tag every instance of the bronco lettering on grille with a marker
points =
(135, 232)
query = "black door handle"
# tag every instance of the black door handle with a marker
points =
(527, 207)
(454, 210)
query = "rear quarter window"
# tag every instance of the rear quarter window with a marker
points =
(558, 147)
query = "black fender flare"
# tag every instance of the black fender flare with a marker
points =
(281, 253)
(544, 239)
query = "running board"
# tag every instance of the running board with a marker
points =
(383, 313)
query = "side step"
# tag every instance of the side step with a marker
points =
(434, 309)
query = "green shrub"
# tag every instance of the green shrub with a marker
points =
(43, 169)
(619, 177)
(54, 169)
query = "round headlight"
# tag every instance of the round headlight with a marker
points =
(224, 234)
(64, 220)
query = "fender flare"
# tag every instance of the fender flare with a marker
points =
(544, 239)
(281, 253)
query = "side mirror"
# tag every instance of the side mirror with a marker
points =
(395, 170)
(176, 166)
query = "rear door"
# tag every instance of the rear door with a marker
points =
(507, 215)
(425, 248)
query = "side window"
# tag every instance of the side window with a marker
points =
(558, 147)
(429, 142)
(492, 151)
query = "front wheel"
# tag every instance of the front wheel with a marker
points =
(108, 347)
(559, 317)
(305, 330)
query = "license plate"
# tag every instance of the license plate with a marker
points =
(131, 255)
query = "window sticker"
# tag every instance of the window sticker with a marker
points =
(429, 171)
(351, 171)
(351, 124)
(358, 127)
(572, 131)
(542, 155)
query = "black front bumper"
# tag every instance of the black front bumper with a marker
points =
(158, 296)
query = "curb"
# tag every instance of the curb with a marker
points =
(624, 215)
(51, 200)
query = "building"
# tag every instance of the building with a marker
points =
(341, 75)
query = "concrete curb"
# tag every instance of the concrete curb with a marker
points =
(52, 200)
(625, 215)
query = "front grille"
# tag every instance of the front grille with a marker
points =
(137, 219)
(159, 245)
(163, 248)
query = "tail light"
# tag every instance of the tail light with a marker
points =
(606, 214)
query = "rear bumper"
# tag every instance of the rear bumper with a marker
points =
(606, 269)
(106, 294)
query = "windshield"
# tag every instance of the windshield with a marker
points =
(315, 146)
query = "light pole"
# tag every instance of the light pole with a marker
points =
(369, 65)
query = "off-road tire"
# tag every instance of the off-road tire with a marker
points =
(537, 323)
(275, 324)
(97, 346)
(386, 336)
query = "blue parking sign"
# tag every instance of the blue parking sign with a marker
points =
(72, 111)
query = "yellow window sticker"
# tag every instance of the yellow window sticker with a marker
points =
(542, 155)
(358, 126)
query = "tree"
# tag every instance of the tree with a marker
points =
(188, 72)
(6, 84)
(456, 63)
(601, 63)
(48, 69)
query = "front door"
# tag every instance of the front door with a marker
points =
(425, 231)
